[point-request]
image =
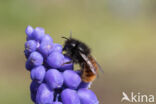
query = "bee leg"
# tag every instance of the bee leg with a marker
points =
(82, 65)
(69, 62)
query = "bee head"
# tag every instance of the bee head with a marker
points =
(70, 44)
(73, 47)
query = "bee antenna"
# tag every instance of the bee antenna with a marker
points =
(70, 34)
(65, 38)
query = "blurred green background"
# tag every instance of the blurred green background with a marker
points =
(121, 34)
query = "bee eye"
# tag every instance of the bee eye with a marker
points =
(73, 44)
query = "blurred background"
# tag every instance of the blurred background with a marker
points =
(121, 34)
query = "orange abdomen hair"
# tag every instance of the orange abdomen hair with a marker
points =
(87, 74)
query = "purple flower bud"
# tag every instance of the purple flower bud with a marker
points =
(47, 38)
(66, 66)
(57, 47)
(38, 33)
(29, 31)
(27, 53)
(33, 89)
(44, 95)
(28, 65)
(57, 103)
(54, 78)
(85, 85)
(31, 45)
(71, 79)
(36, 58)
(46, 48)
(55, 60)
(79, 72)
(38, 73)
(87, 96)
(70, 97)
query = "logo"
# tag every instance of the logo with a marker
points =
(137, 97)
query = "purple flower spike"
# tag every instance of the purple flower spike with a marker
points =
(71, 79)
(87, 96)
(57, 103)
(47, 38)
(38, 33)
(35, 58)
(29, 30)
(46, 48)
(55, 60)
(33, 89)
(44, 95)
(54, 78)
(38, 73)
(67, 66)
(70, 97)
(31, 46)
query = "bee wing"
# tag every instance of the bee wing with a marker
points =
(88, 62)
(98, 65)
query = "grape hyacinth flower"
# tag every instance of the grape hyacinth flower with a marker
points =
(38, 73)
(54, 78)
(72, 79)
(53, 82)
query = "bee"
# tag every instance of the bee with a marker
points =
(80, 54)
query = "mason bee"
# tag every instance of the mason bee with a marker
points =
(80, 54)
